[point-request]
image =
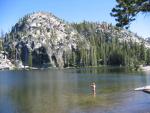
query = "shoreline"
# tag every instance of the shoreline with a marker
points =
(145, 68)
(86, 67)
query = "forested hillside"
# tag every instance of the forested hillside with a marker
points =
(111, 45)
(43, 40)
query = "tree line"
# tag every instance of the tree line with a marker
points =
(107, 49)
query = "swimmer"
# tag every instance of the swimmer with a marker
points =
(93, 86)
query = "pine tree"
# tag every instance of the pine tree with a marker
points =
(148, 57)
(30, 59)
(126, 10)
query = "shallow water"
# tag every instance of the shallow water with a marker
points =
(68, 91)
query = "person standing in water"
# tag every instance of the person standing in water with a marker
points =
(93, 86)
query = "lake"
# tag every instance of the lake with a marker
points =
(68, 91)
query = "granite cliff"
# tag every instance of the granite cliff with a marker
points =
(46, 37)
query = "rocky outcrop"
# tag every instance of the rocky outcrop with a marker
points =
(5, 63)
(44, 33)
(109, 31)
(121, 34)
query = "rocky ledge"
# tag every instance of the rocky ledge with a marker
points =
(5, 63)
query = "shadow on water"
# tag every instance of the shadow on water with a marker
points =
(105, 69)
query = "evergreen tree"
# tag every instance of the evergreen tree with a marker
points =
(126, 10)
(30, 59)
(148, 57)
(1, 45)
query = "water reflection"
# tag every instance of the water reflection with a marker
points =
(43, 92)
(68, 91)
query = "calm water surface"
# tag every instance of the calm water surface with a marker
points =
(68, 91)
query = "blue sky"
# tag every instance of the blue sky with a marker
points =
(69, 10)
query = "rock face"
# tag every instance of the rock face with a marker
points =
(46, 37)
(5, 63)
(109, 31)
(121, 34)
